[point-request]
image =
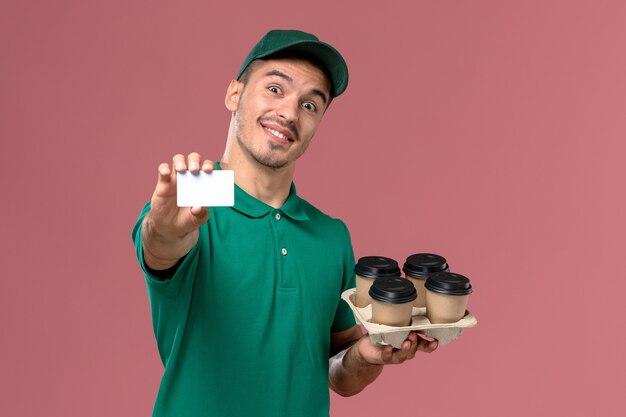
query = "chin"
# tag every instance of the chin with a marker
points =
(271, 162)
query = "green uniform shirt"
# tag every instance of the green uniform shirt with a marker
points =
(243, 327)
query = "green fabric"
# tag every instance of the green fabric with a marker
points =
(244, 330)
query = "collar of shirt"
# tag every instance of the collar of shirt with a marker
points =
(251, 207)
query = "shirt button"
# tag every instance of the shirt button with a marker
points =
(283, 251)
(277, 216)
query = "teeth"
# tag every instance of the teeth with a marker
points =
(276, 133)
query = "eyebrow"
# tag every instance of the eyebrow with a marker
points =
(280, 74)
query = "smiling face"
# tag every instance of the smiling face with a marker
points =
(277, 108)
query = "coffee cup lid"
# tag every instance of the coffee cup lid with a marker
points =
(393, 290)
(424, 264)
(448, 283)
(377, 267)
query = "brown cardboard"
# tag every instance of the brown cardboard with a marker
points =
(418, 283)
(362, 296)
(391, 314)
(394, 336)
(442, 308)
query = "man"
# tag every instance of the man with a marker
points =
(246, 300)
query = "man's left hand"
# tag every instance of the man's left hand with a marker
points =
(385, 354)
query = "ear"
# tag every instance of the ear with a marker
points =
(233, 93)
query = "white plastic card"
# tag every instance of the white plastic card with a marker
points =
(214, 189)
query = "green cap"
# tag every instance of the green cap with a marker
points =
(294, 40)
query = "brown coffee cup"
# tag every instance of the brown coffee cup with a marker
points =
(447, 295)
(392, 301)
(367, 270)
(418, 267)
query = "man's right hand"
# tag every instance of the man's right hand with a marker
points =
(169, 232)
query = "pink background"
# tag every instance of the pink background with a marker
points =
(490, 132)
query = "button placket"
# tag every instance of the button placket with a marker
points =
(280, 225)
(283, 249)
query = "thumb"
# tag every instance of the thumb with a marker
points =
(200, 215)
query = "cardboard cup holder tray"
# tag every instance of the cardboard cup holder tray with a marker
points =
(394, 336)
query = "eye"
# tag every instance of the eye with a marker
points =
(274, 89)
(309, 106)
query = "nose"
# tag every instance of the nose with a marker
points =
(288, 109)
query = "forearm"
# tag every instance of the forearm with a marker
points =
(350, 373)
(162, 250)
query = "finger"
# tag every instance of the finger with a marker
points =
(412, 338)
(424, 337)
(199, 211)
(387, 354)
(200, 215)
(410, 343)
(407, 349)
(406, 352)
(165, 182)
(178, 162)
(193, 162)
(406, 346)
(428, 347)
(165, 174)
(432, 346)
(208, 166)
(414, 347)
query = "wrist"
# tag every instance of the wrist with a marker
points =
(159, 252)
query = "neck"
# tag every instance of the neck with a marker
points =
(269, 185)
